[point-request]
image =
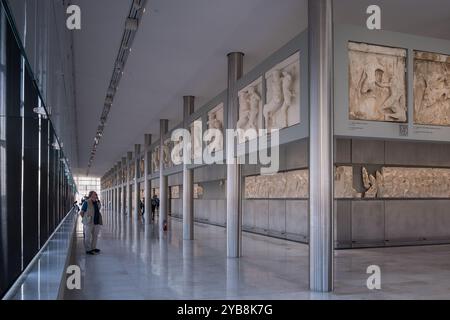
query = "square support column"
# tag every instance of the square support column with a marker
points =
(163, 128)
(234, 214)
(188, 178)
(147, 193)
(321, 145)
(137, 190)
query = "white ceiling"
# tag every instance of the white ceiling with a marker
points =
(180, 49)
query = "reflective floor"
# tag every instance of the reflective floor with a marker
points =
(137, 263)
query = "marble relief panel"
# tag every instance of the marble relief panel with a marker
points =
(196, 129)
(292, 184)
(400, 182)
(377, 83)
(167, 159)
(155, 159)
(250, 107)
(198, 191)
(216, 121)
(175, 192)
(343, 183)
(431, 88)
(282, 108)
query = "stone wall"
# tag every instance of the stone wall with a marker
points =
(388, 222)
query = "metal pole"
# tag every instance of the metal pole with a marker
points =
(234, 245)
(163, 127)
(137, 190)
(147, 193)
(124, 187)
(321, 145)
(188, 179)
(129, 198)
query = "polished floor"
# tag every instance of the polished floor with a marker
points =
(137, 263)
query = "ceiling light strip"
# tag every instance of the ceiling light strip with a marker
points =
(130, 28)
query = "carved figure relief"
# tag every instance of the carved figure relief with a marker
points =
(198, 191)
(155, 159)
(431, 88)
(215, 121)
(343, 183)
(175, 192)
(373, 184)
(377, 85)
(166, 154)
(293, 184)
(197, 139)
(250, 107)
(283, 94)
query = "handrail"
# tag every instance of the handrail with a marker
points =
(21, 279)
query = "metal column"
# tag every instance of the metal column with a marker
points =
(137, 190)
(321, 145)
(129, 198)
(163, 127)
(188, 178)
(118, 187)
(124, 187)
(147, 189)
(114, 196)
(234, 232)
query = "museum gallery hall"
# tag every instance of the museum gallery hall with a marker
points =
(212, 150)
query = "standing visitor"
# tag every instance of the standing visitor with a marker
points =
(92, 221)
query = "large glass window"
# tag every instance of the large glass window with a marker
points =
(87, 184)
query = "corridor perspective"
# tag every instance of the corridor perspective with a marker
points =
(239, 150)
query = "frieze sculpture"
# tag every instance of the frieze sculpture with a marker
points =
(250, 105)
(282, 108)
(155, 159)
(377, 83)
(431, 89)
(276, 110)
(166, 154)
(196, 139)
(215, 121)
(292, 184)
(343, 183)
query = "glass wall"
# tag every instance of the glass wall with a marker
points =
(36, 188)
(87, 184)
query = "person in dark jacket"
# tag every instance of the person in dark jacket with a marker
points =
(155, 205)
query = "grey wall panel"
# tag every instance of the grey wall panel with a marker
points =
(176, 207)
(343, 223)
(222, 211)
(260, 211)
(297, 218)
(262, 215)
(211, 211)
(248, 215)
(417, 153)
(210, 173)
(296, 155)
(175, 179)
(277, 216)
(368, 221)
(213, 190)
(367, 151)
(417, 220)
(343, 151)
